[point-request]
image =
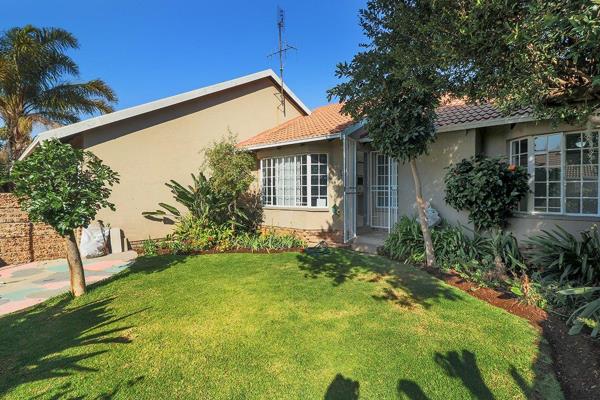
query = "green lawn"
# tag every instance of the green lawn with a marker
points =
(324, 324)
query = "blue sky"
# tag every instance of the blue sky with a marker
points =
(147, 50)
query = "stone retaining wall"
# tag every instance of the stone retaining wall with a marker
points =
(22, 241)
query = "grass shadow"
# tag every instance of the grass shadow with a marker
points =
(342, 388)
(409, 389)
(406, 285)
(463, 366)
(33, 342)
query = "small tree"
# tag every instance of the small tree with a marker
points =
(64, 187)
(230, 170)
(395, 85)
(488, 188)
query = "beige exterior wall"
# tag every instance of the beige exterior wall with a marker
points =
(151, 149)
(449, 148)
(314, 219)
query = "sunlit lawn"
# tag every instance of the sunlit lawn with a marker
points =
(331, 324)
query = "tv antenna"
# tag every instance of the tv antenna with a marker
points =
(283, 49)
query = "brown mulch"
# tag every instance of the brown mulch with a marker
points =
(576, 357)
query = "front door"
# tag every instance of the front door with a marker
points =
(349, 188)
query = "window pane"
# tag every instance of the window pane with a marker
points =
(554, 174)
(573, 172)
(589, 172)
(554, 189)
(523, 146)
(573, 206)
(539, 204)
(573, 140)
(539, 143)
(573, 157)
(573, 189)
(540, 160)
(540, 174)
(540, 190)
(523, 161)
(554, 203)
(590, 189)
(590, 157)
(589, 206)
(554, 159)
(554, 142)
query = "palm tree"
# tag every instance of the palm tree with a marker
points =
(34, 86)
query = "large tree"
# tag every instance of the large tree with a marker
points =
(64, 187)
(34, 84)
(539, 54)
(394, 85)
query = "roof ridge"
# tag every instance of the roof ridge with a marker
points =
(154, 105)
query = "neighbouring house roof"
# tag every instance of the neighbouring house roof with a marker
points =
(323, 122)
(83, 126)
(328, 121)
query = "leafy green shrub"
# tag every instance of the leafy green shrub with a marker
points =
(268, 241)
(150, 247)
(469, 253)
(559, 255)
(488, 188)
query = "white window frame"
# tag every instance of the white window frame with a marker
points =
(563, 180)
(295, 188)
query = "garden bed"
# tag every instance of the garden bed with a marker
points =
(163, 252)
(576, 357)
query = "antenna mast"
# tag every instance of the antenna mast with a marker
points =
(283, 48)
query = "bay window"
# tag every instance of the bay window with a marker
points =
(294, 181)
(564, 170)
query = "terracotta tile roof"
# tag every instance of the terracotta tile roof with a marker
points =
(456, 111)
(328, 120)
(323, 121)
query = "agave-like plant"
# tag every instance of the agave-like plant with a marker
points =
(587, 314)
(560, 256)
(200, 200)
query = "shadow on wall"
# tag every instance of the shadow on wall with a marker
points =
(33, 342)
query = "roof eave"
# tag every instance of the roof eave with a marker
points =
(485, 123)
(81, 127)
(291, 142)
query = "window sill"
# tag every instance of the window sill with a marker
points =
(310, 209)
(561, 217)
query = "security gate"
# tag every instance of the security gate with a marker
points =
(383, 191)
(349, 188)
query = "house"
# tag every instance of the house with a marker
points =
(155, 142)
(317, 171)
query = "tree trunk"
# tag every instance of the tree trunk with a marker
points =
(75, 265)
(429, 253)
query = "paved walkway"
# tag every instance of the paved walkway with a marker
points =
(25, 285)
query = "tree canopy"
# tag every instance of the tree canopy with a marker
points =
(35, 69)
(62, 186)
(540, 55)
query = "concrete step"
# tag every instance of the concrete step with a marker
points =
(369, 242)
